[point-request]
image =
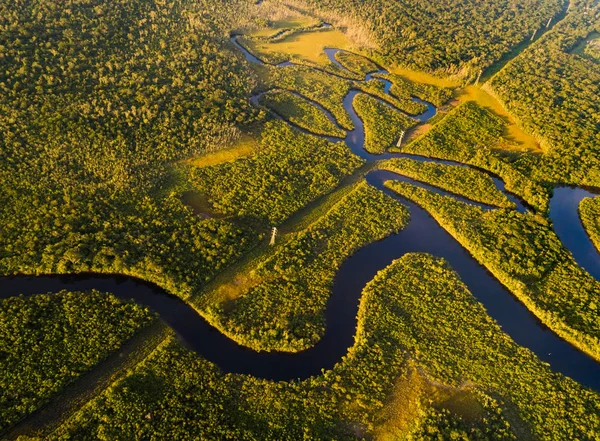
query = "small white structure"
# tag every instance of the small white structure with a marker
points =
(273, 235)
(399, 143)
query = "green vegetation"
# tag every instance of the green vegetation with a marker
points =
(300, 46)
(464, 181)
(242, 147)
(430, 313)
(96, 103)
(524, 253)
(404, 314)
(291, 170)
(282, 301)
(554, 94)
(383, 125)
(404, 89)
(467, 134)
(301, 112)
(433, 37)
(327, 90)
(49, 340)
(377, 89)
(589, 211)
(590, 47)
(356, 63)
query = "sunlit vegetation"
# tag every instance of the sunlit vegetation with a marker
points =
(468, 134)
(243, 147)
(433, 37)
(589, 47)
(515, 138)
(524, 253)
(327, 90)
(97, 101)
(460, 360)
(291, 170)
(589, 211)
(356, 63)
(405, 90)
(47, 341)
(274, 28)
(299, 47)
(376, 88)
(286, 293)
(296, 109)
(472, 184)
(383, 124)
(429, 311)
(554, 94)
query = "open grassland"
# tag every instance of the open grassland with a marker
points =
(279, 303)
(464, 181)
(246, 146)
(427, 360)
(516, 139)
(589, 212)
(50, 340)
(524, 253)
(302, 46)
(468, 134)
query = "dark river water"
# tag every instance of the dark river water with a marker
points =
(423, 234)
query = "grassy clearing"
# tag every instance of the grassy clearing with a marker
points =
(427, 78)
(246, 146)
(517, 139)
(306, 46)
(300, 112)
(589, 47)
(464, 181)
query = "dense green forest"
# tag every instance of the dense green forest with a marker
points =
(433, 36)
(554, 93)
(49, 340)
(262, 187)
(299, 111)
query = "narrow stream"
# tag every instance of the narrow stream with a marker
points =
(423, 234)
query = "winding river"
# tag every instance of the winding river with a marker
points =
(423, 234)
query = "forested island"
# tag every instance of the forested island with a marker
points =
(300, 219)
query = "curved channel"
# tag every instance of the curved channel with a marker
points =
(422, 234)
